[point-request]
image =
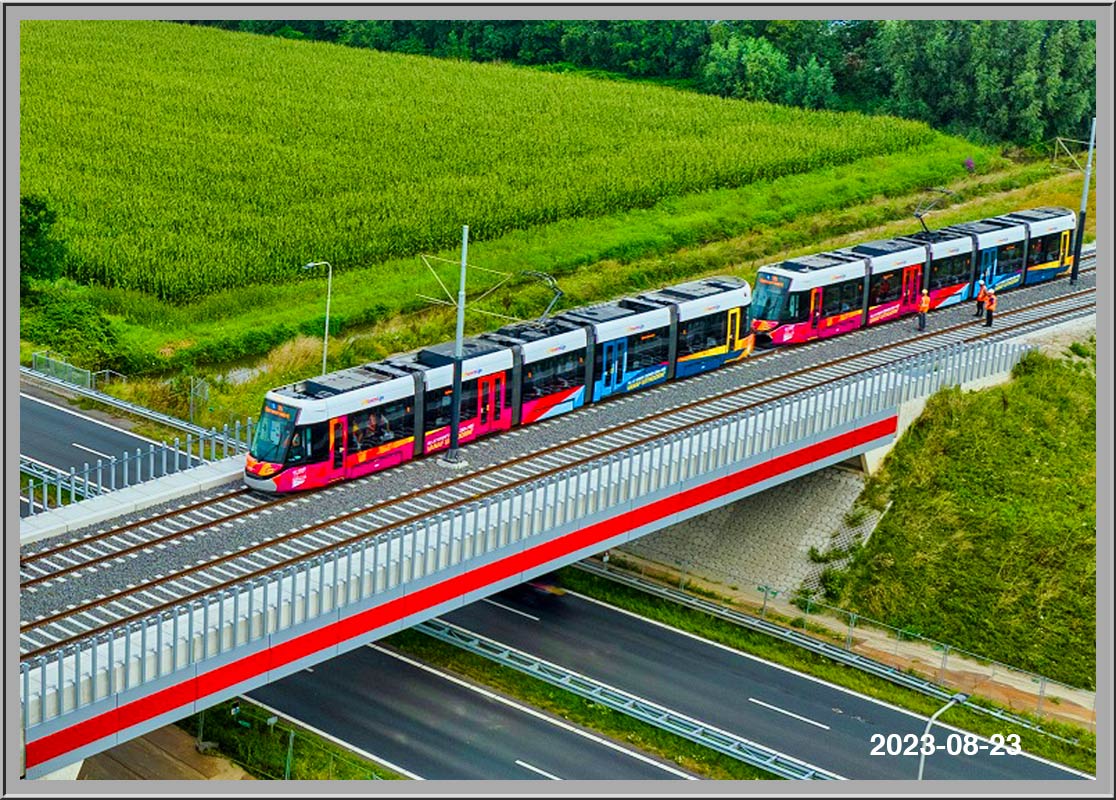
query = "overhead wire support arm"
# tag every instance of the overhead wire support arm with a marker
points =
(923, 206)
(553, 284)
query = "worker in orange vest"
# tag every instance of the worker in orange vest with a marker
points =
(923, 307)
(982, 295)
(989, 307)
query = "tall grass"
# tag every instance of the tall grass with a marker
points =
(184, 159)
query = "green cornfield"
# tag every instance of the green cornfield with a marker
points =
(185, 160)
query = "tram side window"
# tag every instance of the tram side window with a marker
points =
(1044, 249)
(885, 288)
(852, 293)
(648, 349)
(950, 270)
(381, 424)
(1009, 258)
(438, 408)
(703, 333)
(302, 448)
(468, 400)
(798, 307)
(319, 441)
(842, 297)
(400, 417)
(550, 375)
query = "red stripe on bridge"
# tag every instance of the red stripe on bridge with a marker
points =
(196, 688)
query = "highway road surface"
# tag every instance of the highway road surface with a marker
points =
(816, 722)
(60, 437)
(436, 727)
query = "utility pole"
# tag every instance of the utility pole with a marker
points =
(453, 458)
(1084, 206)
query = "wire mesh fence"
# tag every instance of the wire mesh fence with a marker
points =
(44, 362)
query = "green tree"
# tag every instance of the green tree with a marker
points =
(811, 86)
(745, 68)
(42, 254)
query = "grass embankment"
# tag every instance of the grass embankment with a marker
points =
(262, 750)
(718, 630)
(990, 540)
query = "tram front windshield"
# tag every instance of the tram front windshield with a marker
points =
(770, 298)
(273, 433)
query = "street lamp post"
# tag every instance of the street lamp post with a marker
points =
(960, 697)
(329, 291)
(1084, 206)
(453, 457)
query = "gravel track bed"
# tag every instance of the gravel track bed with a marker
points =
(328, 503)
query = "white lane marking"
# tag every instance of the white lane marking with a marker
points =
(341, 742)
(43, 463)
(533, 712)
(784, 711)
(820, 681)
(89, 419)
(509, 608)
(90, 450)
(534, 769)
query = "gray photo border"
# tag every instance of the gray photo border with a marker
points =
(13, 13)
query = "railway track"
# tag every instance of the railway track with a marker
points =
(171, 587)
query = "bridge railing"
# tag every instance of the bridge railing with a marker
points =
(190, 639)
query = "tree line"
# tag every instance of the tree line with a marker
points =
(992, 80)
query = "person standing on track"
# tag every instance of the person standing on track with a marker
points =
(923, 307)
(989, 307)
(982, 296)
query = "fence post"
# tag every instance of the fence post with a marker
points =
(164, 458)
(58, 489)
(290, 755)
(248, 438)
(151, 461)
(73, 485)
(225, 441)
(941, 670)
(1042, 693)
(848, 636)
(85, 466)
(100, 482)
(177, 453)
(124, 461)
(236, 435)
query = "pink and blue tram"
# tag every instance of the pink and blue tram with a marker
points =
(359, 420)
(827, 294)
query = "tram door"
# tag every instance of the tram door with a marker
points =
(988, 266)
(337, 443)
(612, 364)
(1067, 255)
(815, 307)
(911, 288)
(490, 396)
(733, 328)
